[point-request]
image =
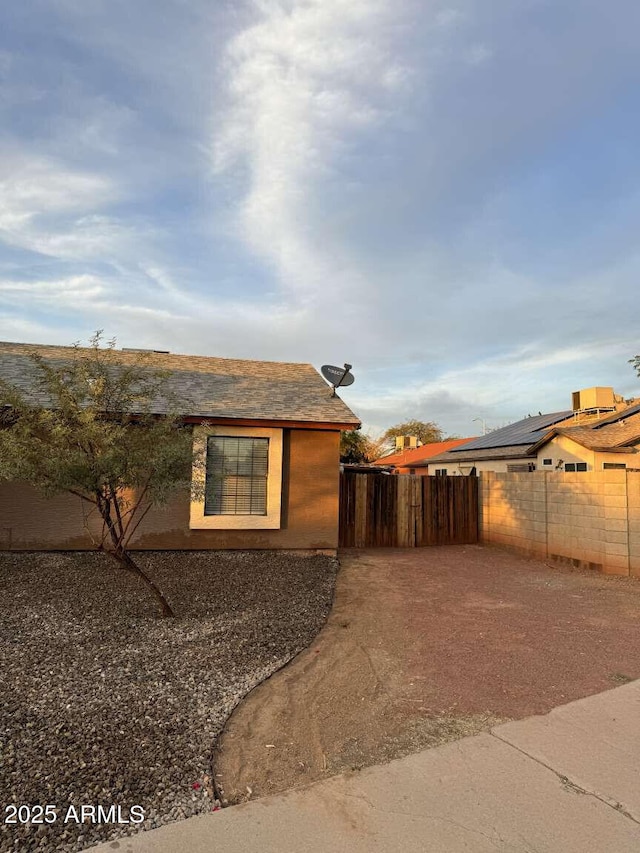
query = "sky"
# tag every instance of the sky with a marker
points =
(443, 194)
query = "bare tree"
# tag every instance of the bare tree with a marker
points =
(106, 431)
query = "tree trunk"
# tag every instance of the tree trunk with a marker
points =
(118, 534)
(125, 560)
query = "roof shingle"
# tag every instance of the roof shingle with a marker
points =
(616, 435)
(213, 387)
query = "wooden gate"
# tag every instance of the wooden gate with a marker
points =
(401, 511)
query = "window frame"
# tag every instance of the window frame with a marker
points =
(272, 520)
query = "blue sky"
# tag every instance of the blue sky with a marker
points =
(443, 194)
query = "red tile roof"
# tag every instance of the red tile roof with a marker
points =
(413, 457)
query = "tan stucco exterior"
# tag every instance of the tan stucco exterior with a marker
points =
(561, 447)
(309, 511)
(463, 468)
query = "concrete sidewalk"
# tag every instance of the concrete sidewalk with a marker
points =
(568, 781)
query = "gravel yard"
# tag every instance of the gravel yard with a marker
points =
(103, 703)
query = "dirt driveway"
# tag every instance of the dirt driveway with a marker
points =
(424, 646)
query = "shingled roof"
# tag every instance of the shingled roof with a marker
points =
(212, 387)
(606, 436)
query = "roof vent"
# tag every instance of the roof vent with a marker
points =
(139, 349)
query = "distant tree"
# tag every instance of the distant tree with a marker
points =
(352, 446)
(635, 361)
(357, 447)
(98, 437)
(426, 431)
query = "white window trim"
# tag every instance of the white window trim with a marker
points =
(271, 521)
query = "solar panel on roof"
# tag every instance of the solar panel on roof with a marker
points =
(619, 416)
(525, 432)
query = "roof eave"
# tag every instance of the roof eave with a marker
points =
(542, 441)
(290, 423)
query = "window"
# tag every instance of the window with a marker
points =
(547, 461)
(521, 467)
(611, 466)
(238, 474)
(575, 466)
(441, 472)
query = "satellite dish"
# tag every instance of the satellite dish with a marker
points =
(337, 376)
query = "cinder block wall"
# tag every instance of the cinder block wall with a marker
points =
(591, 519)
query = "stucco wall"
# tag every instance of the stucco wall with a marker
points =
(561, 447)
(590, 518)
(309, 510)
(453, 469)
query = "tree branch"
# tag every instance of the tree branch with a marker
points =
(116, 504)
(82, 497)
(137, 524)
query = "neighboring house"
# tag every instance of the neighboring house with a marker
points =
(503, 449)
(416, 459)
(609, 443)
(601, 431)
(275, 423)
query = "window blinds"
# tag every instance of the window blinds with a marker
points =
(236, 478)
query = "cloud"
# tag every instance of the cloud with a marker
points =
(67, 290)
(478, 54)
(302, 81)
(503, 388)
(19, 329)
(47, 207)
(383, 206)
(442, 194)
(31, 187)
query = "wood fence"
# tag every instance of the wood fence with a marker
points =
(401, 511)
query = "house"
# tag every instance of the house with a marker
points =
(600, 431)
(280, 416)
(415, 460)
(505, 449)
(609, 443)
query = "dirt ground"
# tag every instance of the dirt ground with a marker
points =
(425, 646)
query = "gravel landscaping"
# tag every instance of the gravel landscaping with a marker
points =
(103, 703)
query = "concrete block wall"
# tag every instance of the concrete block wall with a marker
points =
(633, 505)
(590, 519)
